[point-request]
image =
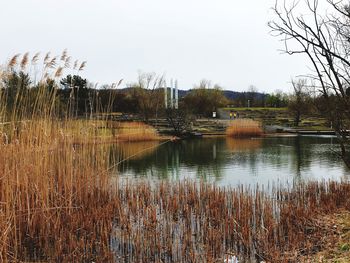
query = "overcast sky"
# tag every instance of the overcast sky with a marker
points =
(225, 41)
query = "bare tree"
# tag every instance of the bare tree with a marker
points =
(322, 35)
(202, 100)
(149, 94)
(251, 95)
(300, 101)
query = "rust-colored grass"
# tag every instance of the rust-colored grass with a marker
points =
(191, 222)
(244, 128)
(135, 131)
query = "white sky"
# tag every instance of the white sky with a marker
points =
(225, 41)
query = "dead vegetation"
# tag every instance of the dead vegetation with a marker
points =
(244, 128)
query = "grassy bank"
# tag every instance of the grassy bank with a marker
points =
(255, 109)
(280, 117)
(336, 229)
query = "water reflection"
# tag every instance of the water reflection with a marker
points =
(243, 145)
(233, 161)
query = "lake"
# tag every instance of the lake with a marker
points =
(232, 162)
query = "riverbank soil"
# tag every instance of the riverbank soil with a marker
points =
(335, 241)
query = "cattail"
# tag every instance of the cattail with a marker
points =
(24, 61)
(75, 64)
(35, 58)
(59, 72)
(82, 65)
(64, 55)
(47, 57)
(13, 61)
(120, 82)
(67, 62)
(52, 63)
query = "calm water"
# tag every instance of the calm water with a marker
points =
(235, 161)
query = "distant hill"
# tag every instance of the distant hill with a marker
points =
(232, 95)
(229, 94)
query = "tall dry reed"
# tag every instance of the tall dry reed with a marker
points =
(244, 128)
(57, 201)
(191, 222)
(135, 131)
(55, 196)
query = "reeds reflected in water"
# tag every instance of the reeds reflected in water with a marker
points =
(242, 144)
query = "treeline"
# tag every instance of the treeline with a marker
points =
(76, 96)
(28, 84)
(23, 95)
(277, 99)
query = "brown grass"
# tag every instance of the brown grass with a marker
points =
(191, 222)
(53, 196)
(135, 131)
(244, 128)
(57, 202)
(335, 237)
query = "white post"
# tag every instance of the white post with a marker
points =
(171, 94)
(176, 95)
(165, 94)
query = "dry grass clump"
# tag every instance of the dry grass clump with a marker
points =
(135, 131)
(244, 128)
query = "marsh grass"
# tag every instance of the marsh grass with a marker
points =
(56, 199)
(50, 192)
(135, 131)
(244, 128)
(191, 222)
